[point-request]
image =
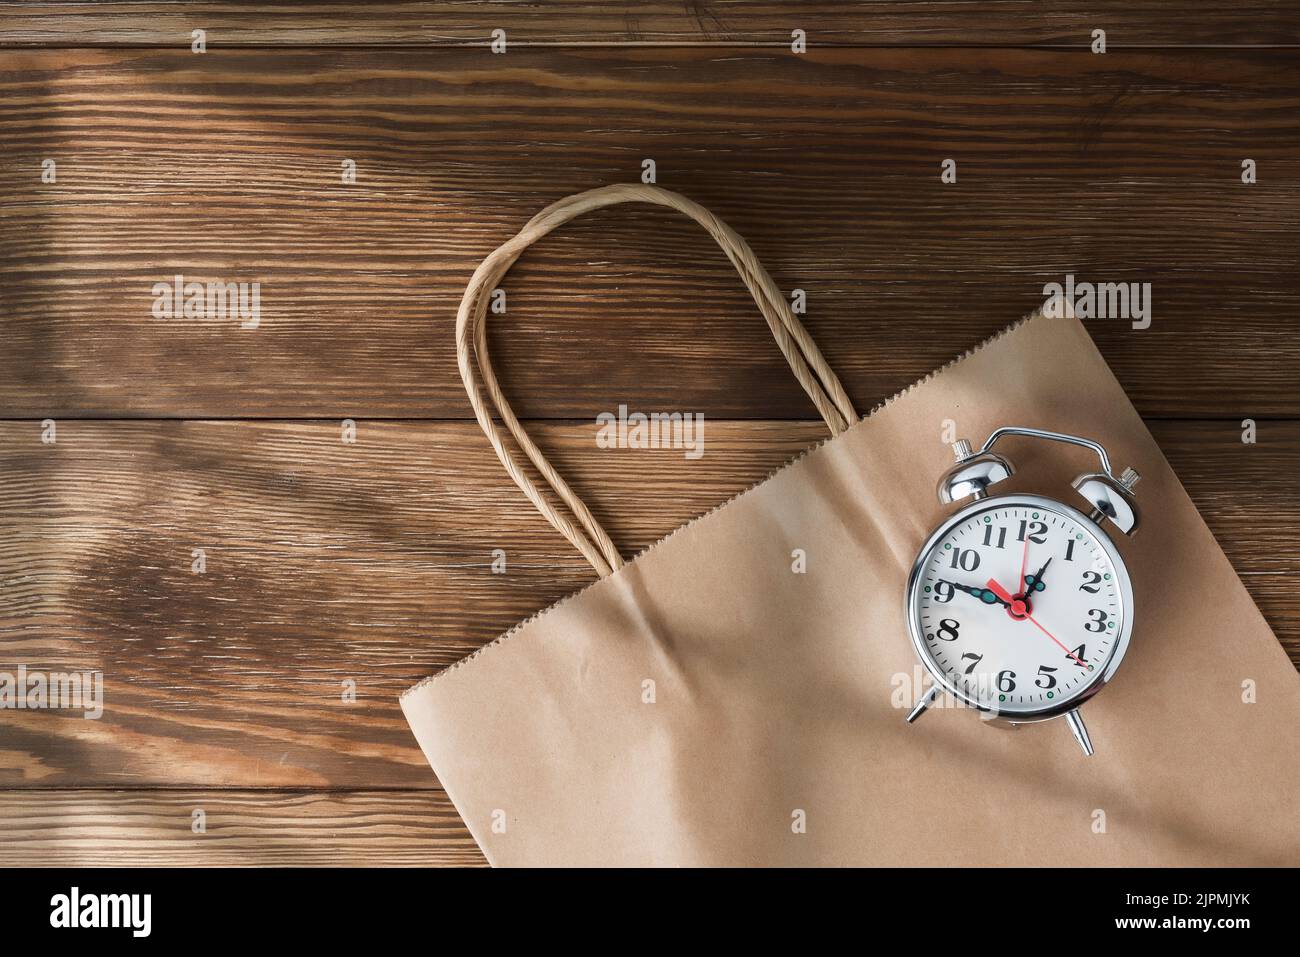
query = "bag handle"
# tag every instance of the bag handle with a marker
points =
(810, 368)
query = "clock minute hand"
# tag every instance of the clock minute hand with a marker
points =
(983, 594)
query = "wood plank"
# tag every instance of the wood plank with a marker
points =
(327, 563)
(1122, 167)
(733, 22)
(244, 828)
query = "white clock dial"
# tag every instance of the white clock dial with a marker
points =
(1019, 605)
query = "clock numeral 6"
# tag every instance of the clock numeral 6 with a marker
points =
(1006, 681)
(948, 629)
(1045, 679)
(1098, 622)
(1091, 582)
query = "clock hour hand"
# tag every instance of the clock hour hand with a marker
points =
(983, 594)
(1034, 582)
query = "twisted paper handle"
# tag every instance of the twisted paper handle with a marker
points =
(810, 368)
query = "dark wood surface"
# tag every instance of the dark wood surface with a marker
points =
(317, 828)
(1124, 167)
(329, 562)
(997, 23)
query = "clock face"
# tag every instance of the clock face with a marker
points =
(1019, 605)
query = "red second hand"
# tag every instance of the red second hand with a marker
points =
(1024, 563)
(1068, 652)
(993, 586)
(1001, 592)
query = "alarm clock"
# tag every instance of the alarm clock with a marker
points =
(1020, 605)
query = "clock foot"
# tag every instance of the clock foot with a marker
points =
(927, 699)
(1075, 721)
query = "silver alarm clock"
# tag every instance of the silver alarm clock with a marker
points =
(1020, 605)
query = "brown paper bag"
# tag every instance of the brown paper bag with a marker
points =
(776, 733)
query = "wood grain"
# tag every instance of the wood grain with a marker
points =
(244, 828)
(328, 563)
(1124, 167)
(1001, 23)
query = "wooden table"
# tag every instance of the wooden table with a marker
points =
(326, 565)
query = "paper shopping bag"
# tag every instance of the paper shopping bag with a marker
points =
(775, 734)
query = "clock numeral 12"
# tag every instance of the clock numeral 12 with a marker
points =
(1039, 534)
